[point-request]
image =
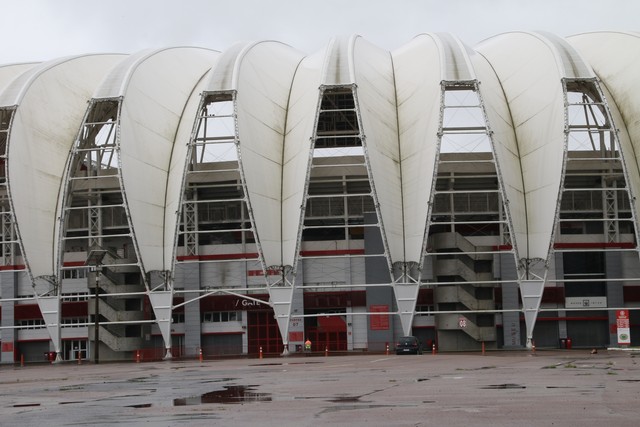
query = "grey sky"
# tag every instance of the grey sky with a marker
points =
(38, 30)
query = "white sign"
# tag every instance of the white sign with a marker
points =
(622, 324)
(585, 302)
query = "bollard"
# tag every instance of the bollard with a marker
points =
(326, 351)
(483, 348)
(433, 349)
(22, 360)
(200, 355)
(79, 358)
(137, 356)
(387, 349)
(533, 346)
(260, 352)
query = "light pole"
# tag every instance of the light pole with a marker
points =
(95, 261)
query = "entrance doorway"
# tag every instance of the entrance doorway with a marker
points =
(263, 332)
(327, 333)
(74, 349)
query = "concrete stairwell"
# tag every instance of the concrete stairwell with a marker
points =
(463, 294)
(117, 308)
(464, 263)
(115, 342)
(462, 323)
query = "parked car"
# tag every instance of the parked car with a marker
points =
(408, 345)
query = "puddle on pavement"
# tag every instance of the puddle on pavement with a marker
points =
(419, 380)
(360, 407)
(345, 399)
(232, 394)
(218, 380)
(141, 405)
(25, 405)
(502, 386)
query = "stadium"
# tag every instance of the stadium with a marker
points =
(182, 201)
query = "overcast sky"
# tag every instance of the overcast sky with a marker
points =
(40, 30)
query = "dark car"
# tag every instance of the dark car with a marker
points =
(408, 345)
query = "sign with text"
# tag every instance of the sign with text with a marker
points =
(585, 302)
(379, 322)
(622, 323)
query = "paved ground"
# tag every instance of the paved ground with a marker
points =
(548, 388)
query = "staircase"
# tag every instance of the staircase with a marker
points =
(117, 280)
(468, 266)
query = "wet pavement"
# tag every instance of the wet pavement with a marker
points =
(548, 388)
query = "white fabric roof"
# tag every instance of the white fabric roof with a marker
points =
(155, 89)
(261, 73)
(303, 103)
(376, 96)
(277, 100)
(9, 72)
(420, 67)
(612, 58)
(530, 70)
(51, 99)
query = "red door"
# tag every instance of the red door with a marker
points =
(263, 332)
(330, 334)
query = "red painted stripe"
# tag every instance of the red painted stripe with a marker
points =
(12, 267)
(581, 318)
(333, 252)
(218, 257)
(259, 273)
(596, 245)
(74, 264)
(223, 333)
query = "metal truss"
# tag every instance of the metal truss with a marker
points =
(467, 203)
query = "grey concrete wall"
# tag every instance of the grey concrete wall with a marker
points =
(510, 301)
(8, 281)
(615, 291)
(376, 271)
(187, 277)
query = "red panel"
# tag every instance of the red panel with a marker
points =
(23, 312)
(75, 309)
(331, 324)
(631, 293)
(553, 295)
(379, 322)
(296, 336)
(425, 297)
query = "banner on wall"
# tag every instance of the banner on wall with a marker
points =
(622, 324)
(379, 322)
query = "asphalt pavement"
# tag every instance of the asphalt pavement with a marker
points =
(502, 388)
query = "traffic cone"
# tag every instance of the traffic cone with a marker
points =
(260, 352)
